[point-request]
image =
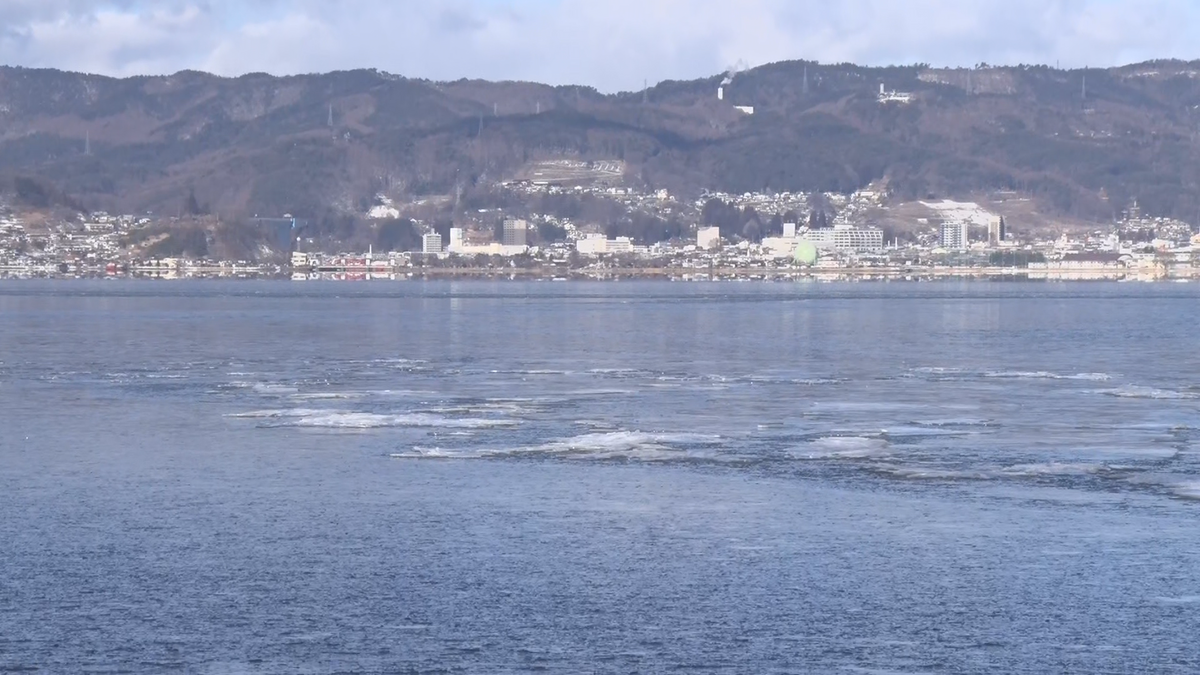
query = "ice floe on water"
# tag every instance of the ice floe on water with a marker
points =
(595, 424)
(833, 407)
(533, 372)
(326, 396)
(423, 452)
(841, 447)
(797, 381)
(1055, 469)
(1182, 486)
(954, 422)
(599, 393)
(1188, 489)
(492, 406)
(932, 473)
(634, 446)
(1099, 475)
(274, 389)
(347, 419)
(916, 432)
(937, 372)
(1046, 375)
(264, 388)
(986, 473)
(1132, 391)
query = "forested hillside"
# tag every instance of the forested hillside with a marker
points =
(1082, 143)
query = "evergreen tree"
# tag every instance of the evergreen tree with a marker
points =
(192, 207)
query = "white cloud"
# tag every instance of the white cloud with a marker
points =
(615, 44)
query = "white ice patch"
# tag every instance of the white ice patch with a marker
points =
(266, 414)
(937, 370)
(419, 452)
(595, 424)
(343, 419)
(360, 420)
(954, 422)
(931, 473)
(921, 431)
(1182, 486)
(326, 396)
(1054, 469)
(635, 445)
(618, 372)
(1045, 375)
(600, 393)
(874, 406)
(842, 447)
(491, 406)
(1188, 490)
(1132, 391)
(266, 389)
(1132, 451)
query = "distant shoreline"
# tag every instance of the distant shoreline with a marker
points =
(915, 274)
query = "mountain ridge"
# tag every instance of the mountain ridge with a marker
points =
(1082, 143)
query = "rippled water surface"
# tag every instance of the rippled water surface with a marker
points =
(623, 477)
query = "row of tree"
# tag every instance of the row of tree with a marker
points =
(747, 223)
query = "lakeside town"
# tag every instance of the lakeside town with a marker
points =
(784, 236)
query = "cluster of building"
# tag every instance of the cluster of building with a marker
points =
(43, 245)
(958, 236)
(514, 241)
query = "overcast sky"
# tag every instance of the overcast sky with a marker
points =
(609, 44)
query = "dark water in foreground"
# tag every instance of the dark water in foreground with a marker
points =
(630, 477)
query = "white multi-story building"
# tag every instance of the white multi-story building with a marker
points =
(592, 244)
(456, 238)
(620, 245)
(846, 238)
(596, 244)
(708, 237)
(956, 235)
(515, 232)
(431, 242)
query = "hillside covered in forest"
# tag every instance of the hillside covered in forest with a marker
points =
(1080, 143)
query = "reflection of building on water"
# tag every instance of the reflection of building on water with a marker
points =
(1077, 275)
(1100, 265)
(1090, 265)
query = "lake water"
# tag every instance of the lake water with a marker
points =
(476, 477)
